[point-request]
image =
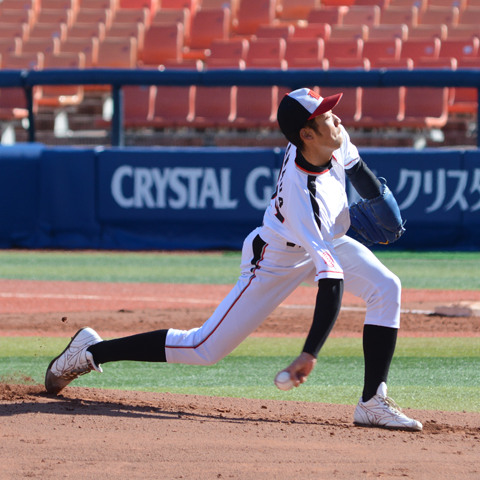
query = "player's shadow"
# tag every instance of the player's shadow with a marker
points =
(34, 402)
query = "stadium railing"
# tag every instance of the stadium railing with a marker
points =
(117, 78)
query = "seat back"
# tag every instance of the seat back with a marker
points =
(161, 43)
(228, 53)
(117, 53)
(256, 107)
(252, 14)
(362, 15)
(266, 53)
(214, 106)
(173, 106)
(209, 25)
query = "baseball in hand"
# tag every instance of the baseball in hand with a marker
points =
(283, 381)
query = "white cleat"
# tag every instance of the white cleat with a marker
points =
(381, 411)
(74, 361)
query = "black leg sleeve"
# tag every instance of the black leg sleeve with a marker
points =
(378, 349)
(144, 347)
(327, 307)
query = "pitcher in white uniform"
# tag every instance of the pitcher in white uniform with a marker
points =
(303, 238)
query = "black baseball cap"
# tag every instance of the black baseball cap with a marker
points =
(301, 105)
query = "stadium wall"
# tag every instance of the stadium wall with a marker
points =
(208, 198)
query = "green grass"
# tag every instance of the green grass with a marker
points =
(450, 270)
(427, 373)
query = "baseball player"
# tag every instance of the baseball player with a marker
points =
(303, 238)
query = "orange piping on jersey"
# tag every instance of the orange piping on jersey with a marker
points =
(257, 267)
(328, 271)
(349, 163)
(309, 172)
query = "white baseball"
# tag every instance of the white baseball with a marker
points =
(283, 381)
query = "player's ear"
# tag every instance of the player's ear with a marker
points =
(306, 133)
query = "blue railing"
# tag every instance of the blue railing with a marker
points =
(117, 78)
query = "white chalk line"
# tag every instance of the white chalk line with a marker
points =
(71, 296)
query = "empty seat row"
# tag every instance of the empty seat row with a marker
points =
(246, 107)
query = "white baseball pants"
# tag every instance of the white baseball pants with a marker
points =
(270, 271)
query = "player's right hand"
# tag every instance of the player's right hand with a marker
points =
(301, 368)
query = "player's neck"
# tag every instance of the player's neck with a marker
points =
(317, 156)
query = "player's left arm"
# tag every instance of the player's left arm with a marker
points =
(376, 218)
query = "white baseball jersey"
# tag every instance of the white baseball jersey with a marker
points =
(310, 207)
(303, 237)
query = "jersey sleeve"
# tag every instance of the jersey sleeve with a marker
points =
(349, 151)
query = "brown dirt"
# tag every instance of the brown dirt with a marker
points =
(90, 433)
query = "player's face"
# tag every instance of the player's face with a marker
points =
(328, 130)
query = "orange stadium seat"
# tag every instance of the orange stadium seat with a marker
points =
(362, 14)
(190, 4)
(173, 106)
(20, 5)
(124, 30)
(313, 30)
(470, 16)
(117, 53)
(97, 15)
(296, 9)
(305, 53)
(99, 4)
(445, 63)
(399, 15)
(174, 15)
(55, 16)
(267, 53)
(48, 30)
(463, 32)
(465, 100)
(138, 105)
(162, 42)
(387, 32)
(330, 15)
(132, 15)
(439, 15)
(343, 49)
(86, 30)
(230, 53)
(209, 25)
(345, 32)
(460, 4)
(382, 49)
(424, 32)
(17, 16)
(415, 49)
(30, 61)
(382, 107)
(87, 46)
(20, 30)
(398, 63)
(349, 63)
(256, 107)
(420, 4)
(10, 46)
(275, 31)
(61, 95)
(349, 110)
(151, 5)
(425, 107)
(252, 14)
(214, 106)
(60, 4)
(460, 48)
(381, 3)
(43, 45)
